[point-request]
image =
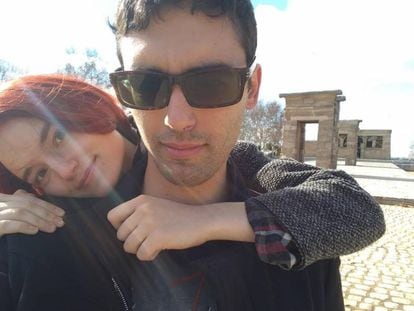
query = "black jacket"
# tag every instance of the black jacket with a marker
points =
(224, 275)
(82, 266)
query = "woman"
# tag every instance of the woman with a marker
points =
(52, 128)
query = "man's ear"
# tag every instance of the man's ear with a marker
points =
(253, 87)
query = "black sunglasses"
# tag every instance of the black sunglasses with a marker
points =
(203, 88)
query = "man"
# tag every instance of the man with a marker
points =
(188, 75)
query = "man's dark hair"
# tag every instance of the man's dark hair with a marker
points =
(135, 15)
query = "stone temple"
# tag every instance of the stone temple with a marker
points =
(336, 138)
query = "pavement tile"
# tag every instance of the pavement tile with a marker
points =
(381, 276)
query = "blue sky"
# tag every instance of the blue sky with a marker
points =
(279, 4)
(363, 48)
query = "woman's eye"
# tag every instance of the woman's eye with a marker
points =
(40, 175)
(58, 138)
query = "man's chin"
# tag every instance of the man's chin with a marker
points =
(185, 176)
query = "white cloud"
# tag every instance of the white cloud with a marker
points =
(361, 47)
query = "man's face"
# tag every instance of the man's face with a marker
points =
(187, 145)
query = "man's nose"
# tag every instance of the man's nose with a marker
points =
(65, 168)
(180, 115)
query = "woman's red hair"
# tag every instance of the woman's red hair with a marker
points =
(62, 100)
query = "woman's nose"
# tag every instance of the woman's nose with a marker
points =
(65, 168)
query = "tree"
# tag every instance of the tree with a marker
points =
(88, 68)
(7, 70)
(263, 126)
(411, 152)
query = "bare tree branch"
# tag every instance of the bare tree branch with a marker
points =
(263, 126)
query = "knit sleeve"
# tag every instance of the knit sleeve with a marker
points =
(326, 212)
(273, 242)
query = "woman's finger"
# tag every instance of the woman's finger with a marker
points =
(39, 202)
(26, 216)
(14, 226)
(25, 201)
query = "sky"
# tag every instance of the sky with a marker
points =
(364, 48)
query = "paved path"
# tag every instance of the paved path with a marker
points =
(382, 179)
(381, 276)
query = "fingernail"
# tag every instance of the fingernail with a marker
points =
(50, 228)
(33, 229)
(59, 222)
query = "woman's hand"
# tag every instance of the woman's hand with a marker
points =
(22, 212)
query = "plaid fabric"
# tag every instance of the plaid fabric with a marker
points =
(273, 244)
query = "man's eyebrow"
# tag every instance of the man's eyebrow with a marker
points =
(208, 66)
(147, 68)
(44, 132)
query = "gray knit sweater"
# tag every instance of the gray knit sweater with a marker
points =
(326, 212)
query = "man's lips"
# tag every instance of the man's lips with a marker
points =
(183, 150)
(86, 174)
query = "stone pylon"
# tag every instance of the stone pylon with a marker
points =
(348, 129)
(312, 107)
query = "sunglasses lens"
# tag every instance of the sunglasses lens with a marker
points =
(212, 89)
(143, 90)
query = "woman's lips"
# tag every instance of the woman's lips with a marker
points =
(86, 175)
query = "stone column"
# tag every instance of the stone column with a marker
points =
(350, 128)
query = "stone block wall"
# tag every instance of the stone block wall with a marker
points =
(380, 153)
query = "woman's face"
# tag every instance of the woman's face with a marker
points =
(62, 164)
